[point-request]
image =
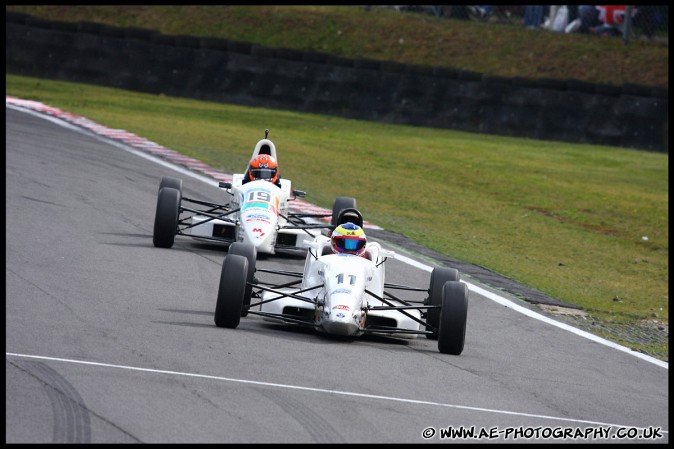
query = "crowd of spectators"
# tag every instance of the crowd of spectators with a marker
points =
(601, 20)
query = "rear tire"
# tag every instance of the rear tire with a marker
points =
(249, 252)
(341, 203)
(174, 183)
(439, 276)
(166, 217)
(231, 290)
(453, 315)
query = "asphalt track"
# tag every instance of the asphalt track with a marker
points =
(111, 340)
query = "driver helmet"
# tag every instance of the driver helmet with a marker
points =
(348, 238)
(263, 167)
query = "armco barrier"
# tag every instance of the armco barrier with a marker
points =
(630, 116)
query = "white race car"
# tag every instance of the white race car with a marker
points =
(343, 294)
(258, 213)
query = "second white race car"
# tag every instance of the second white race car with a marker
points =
(258, 213)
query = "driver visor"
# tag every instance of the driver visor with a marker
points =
(349, 243)
(263, 173)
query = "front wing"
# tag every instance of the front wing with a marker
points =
(388, 315)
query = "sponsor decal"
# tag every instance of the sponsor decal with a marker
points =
(259, 217)
(261, 206)
(341, 307)
(340, 290)
(257, 220)
(255, 205)
(340, 315)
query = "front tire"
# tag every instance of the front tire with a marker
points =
(166, 217)
(249, 252)
(453, 315)
(439, 276)
(231, 291)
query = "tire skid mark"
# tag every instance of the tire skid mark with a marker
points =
(72, 423)
(72, 418)
(319, 429)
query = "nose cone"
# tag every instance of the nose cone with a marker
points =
(258, 231)
(259, 228)
(259, 214)
(340, 319)
(340, 324)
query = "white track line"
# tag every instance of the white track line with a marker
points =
(318, 390)
(169, 158)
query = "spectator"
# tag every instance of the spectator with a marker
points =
(612, 19)
(552, 9)
(574, 19)
(533, 16)
(589, 18)
(481, 12)
(561, 19)
(486, 10)
(573, 12)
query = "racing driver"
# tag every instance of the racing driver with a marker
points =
(262, 167)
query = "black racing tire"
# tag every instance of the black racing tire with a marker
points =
(439, 276)
(166, 217)
(249, 252)
(453, 316)
(341, 203)
(231, 291)
(175, 183)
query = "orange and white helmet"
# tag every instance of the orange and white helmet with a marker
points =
(263, 167)
(348, 238)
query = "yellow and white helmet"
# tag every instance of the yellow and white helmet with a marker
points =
(348, 238)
